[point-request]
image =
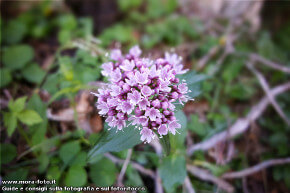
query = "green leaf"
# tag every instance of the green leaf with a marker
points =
(53, 173)
(19, 174)
(66, 67)
(69, 150)
(197, 127)
(80, 159)
(172, 172)
(18, 105)
(29, 117)
(178, 141)
(215, 170)
(14, 32)
(181, 118)
(67, 22)
(33, 73)
(165, 142)
(171, 5)
(43, 161)
(8, 153)
(154, 13)
(51, 83)
(112, 141)
(5, 77)
(126, 5)
(76, 176)
(64, 36)
(37, 131)
(120, 33)
(16, 57)
(103, 173)
(86, 74)
(267, 48)
(40, 30)
(10, 122)
(85, 29)
(232, 70)
(35, 103)
(193, 81)
(133, 177)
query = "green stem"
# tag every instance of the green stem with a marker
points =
(22, 132)
(165, 142)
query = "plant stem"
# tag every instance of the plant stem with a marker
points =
(165, 142)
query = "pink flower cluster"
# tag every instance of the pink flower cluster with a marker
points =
(142, 92)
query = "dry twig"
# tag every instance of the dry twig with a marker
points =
(241, 124)
(188, 185)
(202, 62)
(256, 168)
(258, 58)
(266, 89)
(206, 176)
(135, 165)
(158, 183)
(158, 149)
(124, 168)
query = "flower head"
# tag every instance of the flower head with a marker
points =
(142, 92)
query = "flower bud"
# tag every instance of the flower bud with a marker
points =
(164, 105)
(138, 112)
(174, 95)
(166, 112)
(156, 103)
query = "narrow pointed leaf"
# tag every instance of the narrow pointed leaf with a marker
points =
(112, 141)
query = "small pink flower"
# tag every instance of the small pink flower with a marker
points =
(103, 107)
(111, 121)
(164, 105)
(171, 106)
(115, 90)
(174, 95)
(183, 88)
(134, 97)
(141, 78)
(107, 68)
(162, 130)
(143, 120)
(143, 104)
(183, 99)
(116, 75)
(153, 113)
(120, 124)
(146, 91)
(179, 69)
(116, 54)
(156, 103)
(172, 126)
(173, 59)
(153, 72)
(113, 102)
(135, 51)
(134, 120)
(147, 135)
(131, 80)
(164, 86)
(127, 65)
(127, 107)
